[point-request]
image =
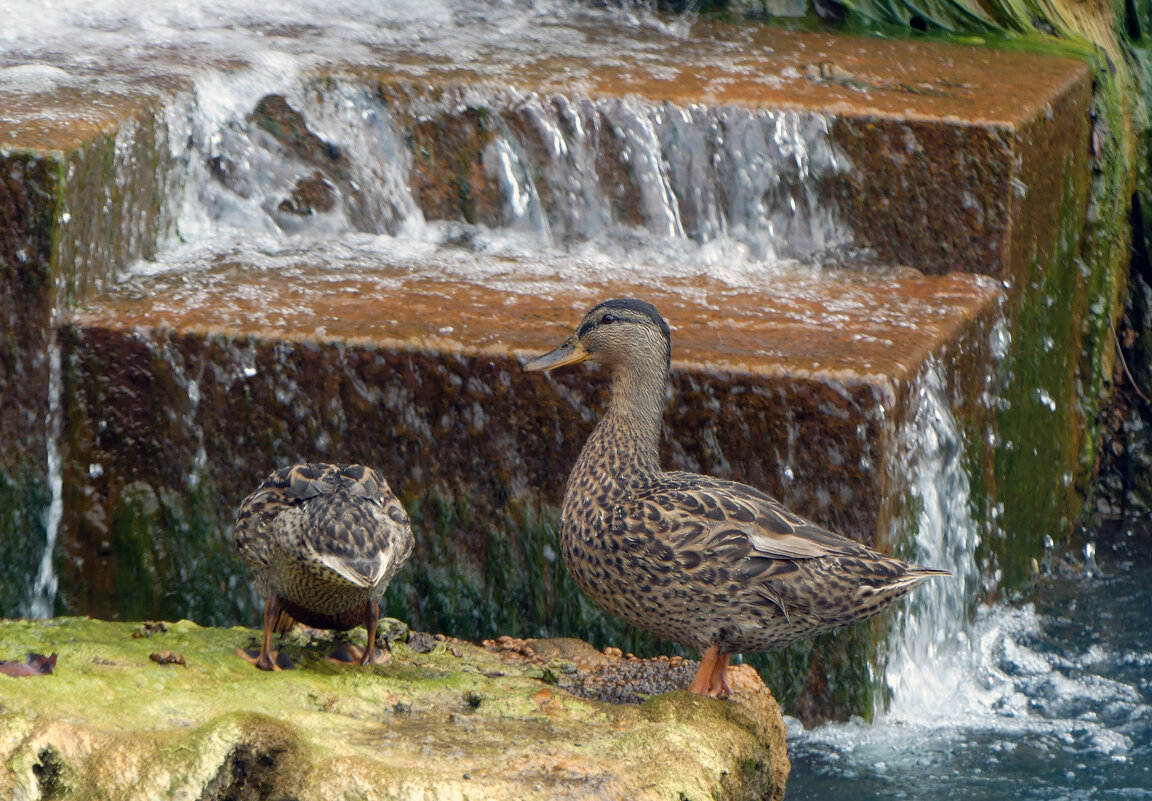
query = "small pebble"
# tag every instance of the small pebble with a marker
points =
(167, 658)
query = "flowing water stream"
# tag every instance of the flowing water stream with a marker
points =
(1048, 695)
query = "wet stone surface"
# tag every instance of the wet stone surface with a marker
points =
(607, 675)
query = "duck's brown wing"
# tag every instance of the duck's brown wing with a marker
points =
(713, 533)
(358, 530)
(736, 520)
(726, 530)
(283, 490)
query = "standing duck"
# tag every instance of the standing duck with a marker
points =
(703, 562)
(323, 541)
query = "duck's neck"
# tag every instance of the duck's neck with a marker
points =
(626, 443)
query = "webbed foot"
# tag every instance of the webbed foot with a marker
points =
(273, 660)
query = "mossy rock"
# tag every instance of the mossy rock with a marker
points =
(458, 721)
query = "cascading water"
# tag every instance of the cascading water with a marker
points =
(932, 636)
(730, 191)
(1012, 703)
(42, 599)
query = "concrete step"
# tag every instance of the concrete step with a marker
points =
(184, 390)
(931, 155)
(871, 324)
(941, 158)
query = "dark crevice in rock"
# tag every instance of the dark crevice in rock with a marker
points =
(246, 775)
(49, 772)
(1125, 483)
(1132, 21)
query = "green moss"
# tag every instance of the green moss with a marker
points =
(172, 557)
(1043, 403)
(218, 728)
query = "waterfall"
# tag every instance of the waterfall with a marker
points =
(931, 647)
(42, 599)
(279, 165)
(932, 635)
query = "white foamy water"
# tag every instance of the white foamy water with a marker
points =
(731, 193)
(1023, 699)
(932, 637)
(42, 598)
(1044, 700)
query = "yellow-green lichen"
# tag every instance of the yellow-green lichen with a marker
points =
(111, 723)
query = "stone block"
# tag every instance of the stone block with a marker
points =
(182, 397)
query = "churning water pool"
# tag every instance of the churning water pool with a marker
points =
(1047, 696)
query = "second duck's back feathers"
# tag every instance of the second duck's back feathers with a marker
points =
(325, 539)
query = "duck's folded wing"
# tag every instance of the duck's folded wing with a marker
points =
(725, 517)
(355, 537)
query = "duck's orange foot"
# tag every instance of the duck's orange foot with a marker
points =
(711, 679)
(349, 654)
(274, 660)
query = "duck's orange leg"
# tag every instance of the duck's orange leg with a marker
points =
(718, 680)
(352, 653)
(702, 681)
(268, 659)
(371, 621)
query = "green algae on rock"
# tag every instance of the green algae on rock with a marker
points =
(457, 721)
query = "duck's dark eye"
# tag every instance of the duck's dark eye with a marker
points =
(606, 319)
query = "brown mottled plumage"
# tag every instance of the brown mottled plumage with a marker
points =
(707, 563)
(323, 541)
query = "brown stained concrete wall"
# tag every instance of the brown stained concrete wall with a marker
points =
(1050, 187)
(118, 191)
(27, 218)
(930, 194)
(975, 197)
(465, 426)
(76, 200)
(169, 430)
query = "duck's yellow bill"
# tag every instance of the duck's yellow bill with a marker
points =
(571, 352)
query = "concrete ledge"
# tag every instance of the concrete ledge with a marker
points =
(182, 396)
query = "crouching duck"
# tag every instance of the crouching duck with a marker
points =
(322, 541)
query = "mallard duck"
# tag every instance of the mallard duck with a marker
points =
(323, 541)
(704, 562)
